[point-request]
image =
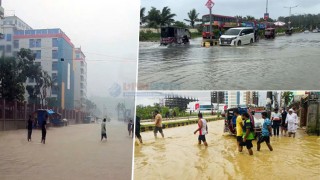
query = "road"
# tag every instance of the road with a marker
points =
(178, 156)
(72, 152)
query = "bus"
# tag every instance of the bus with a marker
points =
(218, 22)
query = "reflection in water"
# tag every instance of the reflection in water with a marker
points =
(178, 156)
(284, 60)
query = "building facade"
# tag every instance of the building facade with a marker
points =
(80, 79)
(54, 52)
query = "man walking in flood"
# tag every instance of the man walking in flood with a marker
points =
(158, 124)
(292, 122)
(283, 122)
(138, 129)
(30, 126)
(239, 127)
(203, 130)
(276, 120)
(248, 134)
(44, 129)
(103, 130)
(266, 132)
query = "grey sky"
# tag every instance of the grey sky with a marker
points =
(254, 8)
(107, 32)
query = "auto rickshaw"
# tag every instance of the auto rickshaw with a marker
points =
(269, 33)
(230, 120)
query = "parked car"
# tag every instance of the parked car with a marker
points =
(258, 122)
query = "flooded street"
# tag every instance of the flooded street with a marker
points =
(178, 156)
(72, 152)
(288, 62)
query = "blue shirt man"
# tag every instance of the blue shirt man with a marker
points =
(266, 132)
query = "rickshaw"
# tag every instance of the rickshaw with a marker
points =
(269, 33)
(230, 120)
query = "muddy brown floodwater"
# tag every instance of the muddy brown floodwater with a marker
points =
(72, 152)
(178, 156)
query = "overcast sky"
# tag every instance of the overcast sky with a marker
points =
(106, 30)
(254, 8)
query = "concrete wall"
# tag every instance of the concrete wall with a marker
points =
(313, 118)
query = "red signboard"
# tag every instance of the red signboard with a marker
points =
(196, 106)
(209, 4)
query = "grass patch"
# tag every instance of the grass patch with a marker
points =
(150, 127)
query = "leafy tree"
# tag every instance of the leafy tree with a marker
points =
(166, 18)
(153, 18)
(287, 97)
(142, 16)
(193, 17)
(14, 72)
(180, 24)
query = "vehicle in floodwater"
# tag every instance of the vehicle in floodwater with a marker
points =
(289, 32)
(230, 119)
(174, 35)
(237, 36)
(270, 33)
(255, 116)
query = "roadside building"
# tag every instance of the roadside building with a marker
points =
(80, 79)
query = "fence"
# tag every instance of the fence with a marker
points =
(14, 115)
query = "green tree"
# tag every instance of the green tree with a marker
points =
(14, 72)
(142, 16)
(287, 97)
(193, 17)
(153, 18)
(180, 24)
(166, 18)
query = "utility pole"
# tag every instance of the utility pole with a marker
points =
(209, 5)
(267, 7)
(290, 7)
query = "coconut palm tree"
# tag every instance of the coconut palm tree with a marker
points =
(166, 18)
(142, 16)
(153, 19)
(193, 17)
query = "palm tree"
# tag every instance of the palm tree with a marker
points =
(193, 17)
(166, 18)
(142, 16)
(153, 19)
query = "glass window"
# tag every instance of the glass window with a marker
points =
(78, 56)
(54, 76)
(8, 49)
(16, 44)
(53, 31)
(32, 32)
(31, 43)
(38, 31)
(1, 48)
(54, 66)
(9, 37)
(54, 54)
(38, 54)
(54, 42)
(38, 42)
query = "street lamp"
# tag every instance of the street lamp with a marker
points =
(209, 5)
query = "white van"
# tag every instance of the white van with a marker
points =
(237, 36)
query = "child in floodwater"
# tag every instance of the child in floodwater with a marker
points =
(266, 132)
(248, 132)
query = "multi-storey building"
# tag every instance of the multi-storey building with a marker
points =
(80, 79)
(53, 50)
(218, 97)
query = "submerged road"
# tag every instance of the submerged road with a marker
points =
(72, 152)
(287, 62)
(178, 156)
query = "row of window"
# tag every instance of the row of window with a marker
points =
(33, 42)
(6, 48)
(38, 31)
(37, 54)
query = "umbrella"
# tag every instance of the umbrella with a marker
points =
(279, 23)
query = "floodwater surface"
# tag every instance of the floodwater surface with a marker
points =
(72, 152)
(178, 156)
(287, 62)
